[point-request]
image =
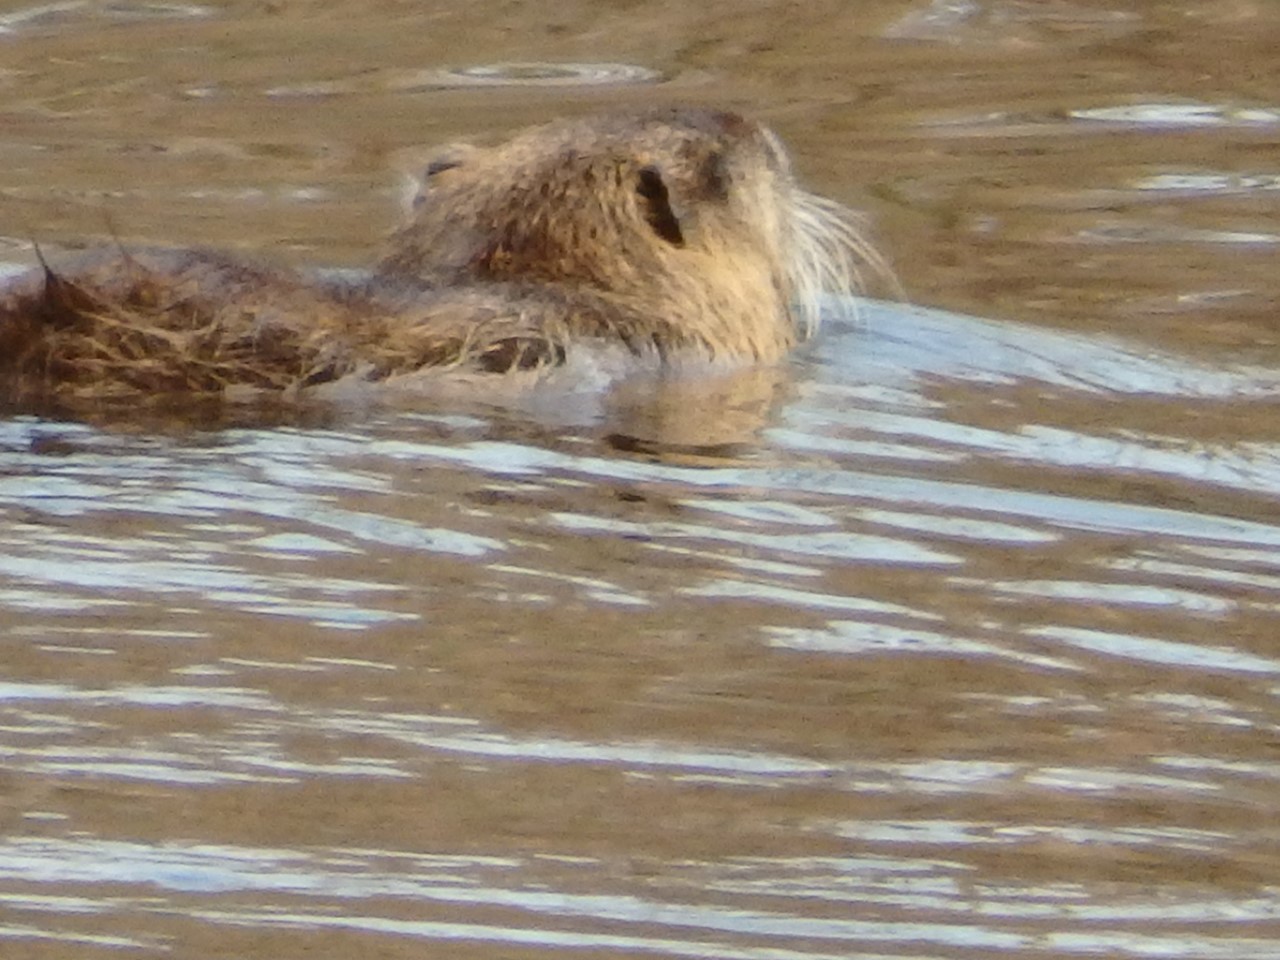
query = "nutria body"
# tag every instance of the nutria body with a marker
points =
(669, 232)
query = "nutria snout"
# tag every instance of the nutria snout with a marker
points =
(672, 231)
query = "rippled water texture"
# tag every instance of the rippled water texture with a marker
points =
(956, 638)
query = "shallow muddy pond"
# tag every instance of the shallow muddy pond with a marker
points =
(955, 638)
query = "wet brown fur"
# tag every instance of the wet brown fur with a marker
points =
(667, 231)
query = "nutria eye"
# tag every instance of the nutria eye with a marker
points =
(441, 165)
(657, 207)
(715, 178)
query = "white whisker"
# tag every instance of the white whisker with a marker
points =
(830, 254)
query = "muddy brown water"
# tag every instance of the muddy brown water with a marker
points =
(957, 638)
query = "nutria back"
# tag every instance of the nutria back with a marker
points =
(672, 231)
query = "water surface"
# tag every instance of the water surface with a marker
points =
(955, 638)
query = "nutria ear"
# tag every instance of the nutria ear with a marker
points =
(655, 202)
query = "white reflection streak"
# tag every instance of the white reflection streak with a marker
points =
(1180, 115)
(10, 931)
(851, 547)
(855, 636)
(1153, 650)
(637, 755)
(440, 930)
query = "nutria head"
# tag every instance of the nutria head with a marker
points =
(661, 230)
(682, 227)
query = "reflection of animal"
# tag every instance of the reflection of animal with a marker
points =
(667, 231)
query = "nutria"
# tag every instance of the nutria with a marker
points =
(670, 231)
